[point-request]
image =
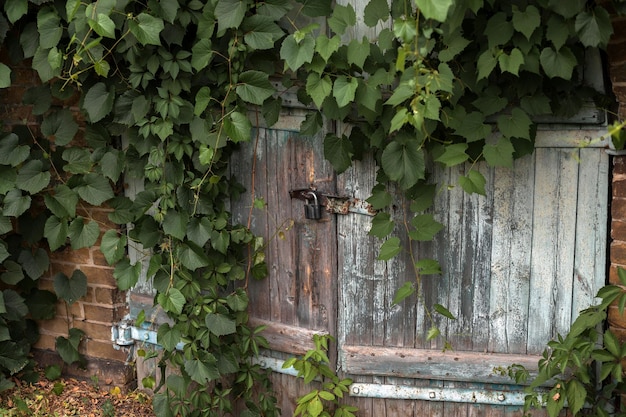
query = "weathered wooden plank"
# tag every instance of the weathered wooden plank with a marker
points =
(285, 338)
(511, 250)
(431, 364)
(554, 220)
(591, 228)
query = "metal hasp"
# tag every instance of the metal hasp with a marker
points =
(333, 204)
(312, 211)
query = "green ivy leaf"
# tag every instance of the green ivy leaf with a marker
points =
(403, 161)
(473, 182)
(500, 154)
(444, 311)
(32, 177)
(426, 227)
(576, 395)
(199, 230)
(5, 76)
(59, 127)
(201, 371)
(428, 267)
(435, 9)
(103, 26)
(8, 175)
(70, 289)
(172, 301)
(56, 231)
(325, 46)
(168, 337)
(380, 197)
(15, 9)
(338, 151)
(112, 164)
(220, 325)
(344, 90)
(49, 27)
(146, 29)
(382, 225)
(5, 225)
(15, 204)
(487, 62)
(175, 224)
(499, 30)
(34, 262)
(318, 87)
(557, 31)
(238, 127)
(127, 275)
(11, 153)
(201, 54)
(515, 125)
(358, 52)
(98, 102)
(559, 63)
(567, 9)
(78, 160)
(512, 61)
(295, 53)
(192, 256)
(456, 43)
(316, 8)
(260, 32)
(62, 201)
(94, 189)
(13, 273)
(406, 290)
(342, 18)
(390, 248)
(83, 233)
(237, 301)
(41, 304)
(254, 87)
(375, 11)
(433, 333)
(453, 154)
(526, 21)
(113, 246)
(594, 27)
(230, 13)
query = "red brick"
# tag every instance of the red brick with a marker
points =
(619, 165)
(618, 229)
(46, 341)
(99, 314)
(55, 326)
(109, 296)
(103, 350)
(619, 333)
(96, 331)
(99, 275)
(97, 257)
(618, 209)
(616, 319)
(67, 254)
(618, 252)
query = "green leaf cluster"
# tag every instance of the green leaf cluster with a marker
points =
(315, 366)
(583, 370)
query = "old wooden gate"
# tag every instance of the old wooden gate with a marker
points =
(519, 263)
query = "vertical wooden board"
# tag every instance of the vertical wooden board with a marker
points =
(359, 274)
(511, 249)
(554, 220)
(477, 296)
(591, 228)
(300, 289)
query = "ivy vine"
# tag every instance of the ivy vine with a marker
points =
(160, 91)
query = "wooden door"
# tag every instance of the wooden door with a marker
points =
(518, 265)
(298, 298)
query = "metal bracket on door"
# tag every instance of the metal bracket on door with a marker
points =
(334, 203)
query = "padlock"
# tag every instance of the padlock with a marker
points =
(312, 211)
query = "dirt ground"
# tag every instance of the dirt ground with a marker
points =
(71, 397)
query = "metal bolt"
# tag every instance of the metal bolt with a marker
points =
(501, 397)
(356, 390)
(432, 394)
(146, 336)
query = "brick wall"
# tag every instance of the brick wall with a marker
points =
(616, 52)
(104, 304)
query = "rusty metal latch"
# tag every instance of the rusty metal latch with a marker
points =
(334, 203)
